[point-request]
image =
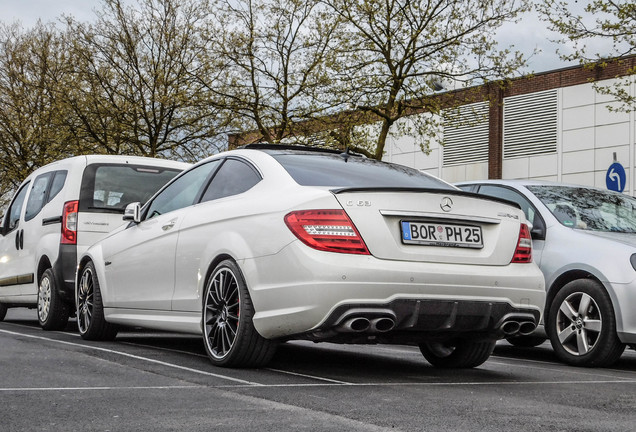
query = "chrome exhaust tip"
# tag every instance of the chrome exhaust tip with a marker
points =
(510, 327)
(356, 325)
(527, 327)
(383, 324)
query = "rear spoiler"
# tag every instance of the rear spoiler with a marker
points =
(456, 192)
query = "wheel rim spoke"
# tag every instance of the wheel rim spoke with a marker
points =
(584, 305)
(581, 342)
(566, 335)
(593, 325)
(568, 310)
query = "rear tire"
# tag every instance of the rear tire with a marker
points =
(581, 325)
(53, 312)
(90, 310)
(3, 312)
(229, 335)
(526, 341)
(457, 355)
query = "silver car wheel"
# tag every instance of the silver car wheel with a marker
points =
(85, 300)
(221, 313)
(44, 299)
(579, 323)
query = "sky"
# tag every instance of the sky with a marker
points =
(527, 35)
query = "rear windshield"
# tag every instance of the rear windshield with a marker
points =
(312, 169)
(111, 188)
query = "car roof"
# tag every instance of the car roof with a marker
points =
(117, 159)
(526, 182)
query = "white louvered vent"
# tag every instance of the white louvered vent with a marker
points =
(466, 135)
(530, 125)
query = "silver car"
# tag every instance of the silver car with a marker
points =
(584, 240)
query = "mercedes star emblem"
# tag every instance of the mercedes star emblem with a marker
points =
(446, 204)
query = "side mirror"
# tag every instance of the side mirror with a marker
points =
(133, 212)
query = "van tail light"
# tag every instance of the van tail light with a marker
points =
(523, 252)
(69, 222)
(326, 230)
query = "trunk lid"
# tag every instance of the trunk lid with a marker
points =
(430, 225)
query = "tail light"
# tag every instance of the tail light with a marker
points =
(326, 230)
(69, 223)
(523, 252)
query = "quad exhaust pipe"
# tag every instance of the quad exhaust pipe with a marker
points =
(511, 328)
(361, 324)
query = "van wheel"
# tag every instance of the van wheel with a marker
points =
(90, 310)
(229, 335)
(53, 313)
(457, 355)
(3, 311)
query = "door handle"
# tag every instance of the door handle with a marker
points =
(19, 239)
(168, 226)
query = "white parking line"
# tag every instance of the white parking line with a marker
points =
(146, 359)
(309, 385)
(311, 376)
(314, 377)
(43, 389)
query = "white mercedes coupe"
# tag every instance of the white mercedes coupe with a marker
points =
(264, 244)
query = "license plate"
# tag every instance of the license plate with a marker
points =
(441, 234)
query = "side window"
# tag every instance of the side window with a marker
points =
(510, 195)
(37, 197)
(233, 178)
(183, 192)
(468, 188)
(13, 214)
(57, 185)
(502, 192)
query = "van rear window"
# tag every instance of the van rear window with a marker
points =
(110, 188)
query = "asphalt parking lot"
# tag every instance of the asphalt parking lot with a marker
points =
(55, 381)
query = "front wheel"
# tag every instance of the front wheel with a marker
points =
(581, 325)
(457, 355)
(53, 312)
(229, 335)
(3, 311)
(90, 310)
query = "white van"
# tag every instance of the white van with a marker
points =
(57, 213)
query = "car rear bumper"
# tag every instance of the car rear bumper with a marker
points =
(301, 292)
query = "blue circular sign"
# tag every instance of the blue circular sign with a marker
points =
(616, 178)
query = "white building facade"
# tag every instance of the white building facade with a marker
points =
(554, 126)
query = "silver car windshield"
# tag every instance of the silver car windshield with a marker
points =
(589, 209)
